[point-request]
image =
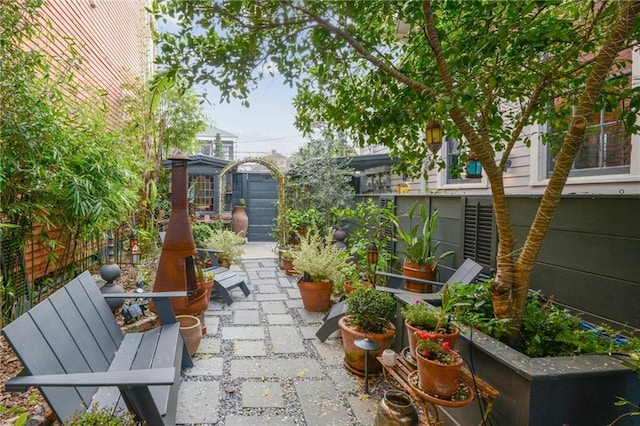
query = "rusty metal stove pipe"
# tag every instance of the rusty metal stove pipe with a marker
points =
(176, 268)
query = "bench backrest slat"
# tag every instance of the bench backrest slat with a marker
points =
(101, 306)
(466, 273)
(36, 355)
(81, 337)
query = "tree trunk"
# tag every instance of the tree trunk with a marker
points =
(513, 277)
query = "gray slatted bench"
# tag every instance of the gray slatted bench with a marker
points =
(465, 274)
(73, 350)
(224, 280)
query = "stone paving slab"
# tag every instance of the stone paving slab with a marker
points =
(285, 339)
(244, 305)
(259, 421)
(331, 351)
(198, 402)
(249, 348)
(320, 404)
(364, 408)
(246, 317)
(212, 324)
(277, 307)
(279, 319)
(205, 366)
(242, 333)
(293, 293)
(271, 297)
(269, 288)
(262, 394)
(297, 303)
(209, 345)
(285, 368)
(311, 317)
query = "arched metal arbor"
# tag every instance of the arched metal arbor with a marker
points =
(276, 173)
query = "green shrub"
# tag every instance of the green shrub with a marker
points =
(370, 310)
(97, 416)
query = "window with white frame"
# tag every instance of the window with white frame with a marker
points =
(456, 171)
(606, 149)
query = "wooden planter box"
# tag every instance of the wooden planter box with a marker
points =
(579, 390)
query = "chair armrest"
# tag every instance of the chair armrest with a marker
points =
(404, 277)
(152, 295)
(150, 377)
(160, 299)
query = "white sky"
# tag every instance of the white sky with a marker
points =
(266, 125)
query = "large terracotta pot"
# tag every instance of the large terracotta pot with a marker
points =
(240, 220)
(316, 296)
(191, 330)
(438, 379)
(413, 270)
(411, 336)
(354, 357)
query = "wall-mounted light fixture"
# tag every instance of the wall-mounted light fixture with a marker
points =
(433, 136)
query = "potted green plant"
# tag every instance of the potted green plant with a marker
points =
(319, 263)
(420, 251)
(228, 243)
(421, 316)
(287, 261)
(368, 314)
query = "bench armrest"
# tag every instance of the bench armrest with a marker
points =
(404, 277)
(153, 295)
(150, 377)
(160, 299)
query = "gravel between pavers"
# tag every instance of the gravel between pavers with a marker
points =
(230, 395)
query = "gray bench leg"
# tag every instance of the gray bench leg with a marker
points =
(140, 402)
(330, 324)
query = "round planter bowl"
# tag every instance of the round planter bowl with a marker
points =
(191, 330)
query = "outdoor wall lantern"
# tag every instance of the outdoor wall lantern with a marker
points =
(474, 168)
(433, 134)
(372, 260)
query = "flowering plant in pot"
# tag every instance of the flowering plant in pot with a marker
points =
(319, 263)
(439, 365)
(421, 316)
(368, 315)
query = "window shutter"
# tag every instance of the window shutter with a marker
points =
(478, 233)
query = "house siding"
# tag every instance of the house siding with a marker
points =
(113, 39)
(113, 42)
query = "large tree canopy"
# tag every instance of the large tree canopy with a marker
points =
(485, 70)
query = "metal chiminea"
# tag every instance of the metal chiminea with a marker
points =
(177, 268)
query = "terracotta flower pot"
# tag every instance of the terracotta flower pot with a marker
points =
(191, 330)
(354, 357)
(411, 336)
(240, 220)
(287, 264)
(438, 379)
(316, 296)
(413, 270)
